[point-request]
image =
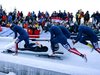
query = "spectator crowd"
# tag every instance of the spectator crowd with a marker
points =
(43, 20)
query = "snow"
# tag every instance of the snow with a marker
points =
(71, 64)
(2, 73)
(11, 73)
(50, 65)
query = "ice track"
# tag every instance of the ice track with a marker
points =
(70, 65)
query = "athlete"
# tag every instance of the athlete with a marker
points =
(86, 33)
(58, 36)
(23, 35)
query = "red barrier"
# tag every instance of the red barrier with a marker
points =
(35, 35)
(30, 31)
(0, 28)
(36, 32)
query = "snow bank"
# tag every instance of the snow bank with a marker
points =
(2, 73)
(27, 66)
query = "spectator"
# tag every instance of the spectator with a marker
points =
(86, 17)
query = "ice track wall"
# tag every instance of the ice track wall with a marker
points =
(25, 70)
